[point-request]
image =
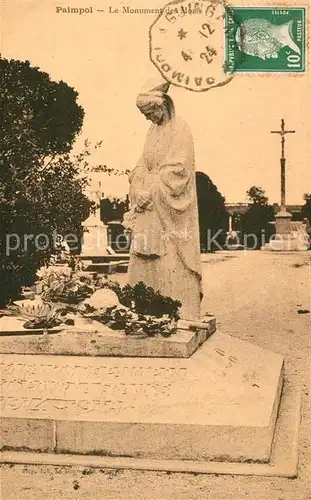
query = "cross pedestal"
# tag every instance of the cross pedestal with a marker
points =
(283, 224)
(288, 237)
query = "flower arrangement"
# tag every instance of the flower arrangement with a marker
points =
(66, 284)
(67, 289)
(140, 310)
(132, 323)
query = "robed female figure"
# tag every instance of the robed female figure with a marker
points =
(163, 219)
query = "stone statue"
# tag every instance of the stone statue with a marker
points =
(163, 219)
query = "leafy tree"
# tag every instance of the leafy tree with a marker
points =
(41, 117)
(257, 196)
(256, 220)
(41, 187)
(306, 209)
(213, 217)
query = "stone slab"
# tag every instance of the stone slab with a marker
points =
(13, 325)
(99, 340)
(220, 404)
(281, 244)
(283, 461)
(27, 434)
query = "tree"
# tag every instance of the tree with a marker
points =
(306, 209)
(213, 217)
(257, 196)
(41, 117)
(41, 189)
(256, 220)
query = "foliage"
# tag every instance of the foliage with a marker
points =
(50, 203)
(70, 285)
(256, 221)
(212, 212)
(140, 310)
(145, 300)
(306, 209)
(41, 184)
(40, 116)
(257, 196)
(45, 323)
(132, 323)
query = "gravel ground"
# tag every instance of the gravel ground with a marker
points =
(256, 296)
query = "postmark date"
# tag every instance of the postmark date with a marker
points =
(206, 30)
(208, 55)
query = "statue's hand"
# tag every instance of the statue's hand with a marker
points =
(129, 219)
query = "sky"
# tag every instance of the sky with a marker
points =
(105, 57)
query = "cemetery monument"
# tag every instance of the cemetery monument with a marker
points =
(134, 386)
(290, 236)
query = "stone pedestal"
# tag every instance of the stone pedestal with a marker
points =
(95, 238)
(95, 339)
(219, 404)
(289, 236)
(283, 222)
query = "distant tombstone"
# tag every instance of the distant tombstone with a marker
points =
(95, 240)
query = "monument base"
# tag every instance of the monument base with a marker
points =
(291, 236)
(286, 243)
(283, 459)
(96, 339)
(220, 404)
(95, 239)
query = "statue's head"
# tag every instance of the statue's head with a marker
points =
(156, 104)
(258, 37)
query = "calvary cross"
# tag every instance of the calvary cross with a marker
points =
(282, 133)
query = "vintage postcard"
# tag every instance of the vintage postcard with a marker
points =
(155, 244)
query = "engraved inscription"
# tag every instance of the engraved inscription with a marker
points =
(63, 390)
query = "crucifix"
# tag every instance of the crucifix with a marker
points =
(282, 133)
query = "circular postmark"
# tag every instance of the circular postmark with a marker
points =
(187, 44)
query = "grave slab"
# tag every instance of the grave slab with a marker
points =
(29, 434)
(96, 339)
(220, 404)
(283, 460)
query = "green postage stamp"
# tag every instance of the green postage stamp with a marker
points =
(266, 40)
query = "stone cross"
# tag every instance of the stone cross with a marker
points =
(95, 193)
(282, 133)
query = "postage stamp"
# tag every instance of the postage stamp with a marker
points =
(187, 44)
(267, 39)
